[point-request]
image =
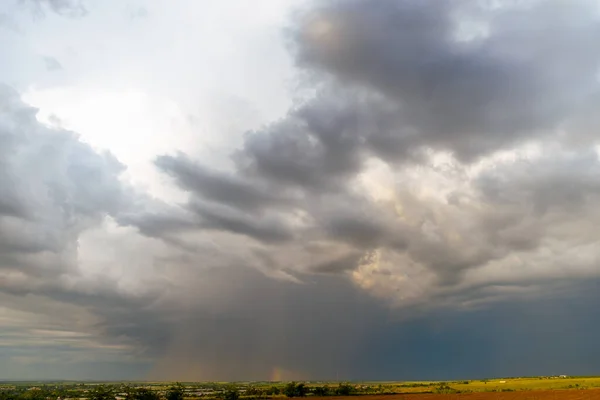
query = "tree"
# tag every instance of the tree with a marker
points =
(444, 388)
(175, 392)
(142, 394)
(344, 389)
(290, 389)
(321, 391)
(253, 391)
(9, 395)
(273, 390)
(230, 394)
(294, 389)
(102, 392)
(301, 390)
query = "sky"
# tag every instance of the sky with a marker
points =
(299, 189)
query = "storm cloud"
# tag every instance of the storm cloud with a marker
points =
(54, 186)
(465, 78)
(437, 144)
(440, 162)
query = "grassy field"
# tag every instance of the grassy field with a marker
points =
(590, 394)
(507, 384)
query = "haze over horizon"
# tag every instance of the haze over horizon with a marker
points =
(287, 189)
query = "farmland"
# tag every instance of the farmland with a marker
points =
(521, 395)
(557, 387)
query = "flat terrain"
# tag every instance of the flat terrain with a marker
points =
(524, 388)
(530, 384)
(496, 385)
(522, 395)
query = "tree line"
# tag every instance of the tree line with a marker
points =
(176, 392)
(100, 392)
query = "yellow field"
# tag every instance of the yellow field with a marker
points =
(499, 384)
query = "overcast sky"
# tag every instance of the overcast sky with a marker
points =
(299, 189)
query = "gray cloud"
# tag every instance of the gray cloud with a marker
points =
(403, 84)
(259, 329)
(217, 186)
(54, 185)
(513, 81)
(55, 188)
(429, 90)
(426, 250)
(338, 265)
(315, 146)
(269, 229)
(429, 170)
(559, 181)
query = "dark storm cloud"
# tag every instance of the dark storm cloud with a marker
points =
(357, 221)
(217, 186)
(315, 146)
(513, 339)
(495, 216)
(356, 231)
(399, 81)
(268, 229)
(349, 199)
(222, 202)
(157, 224)
(470, 96)
(338, 265)
(328, 329)
(259, 326)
